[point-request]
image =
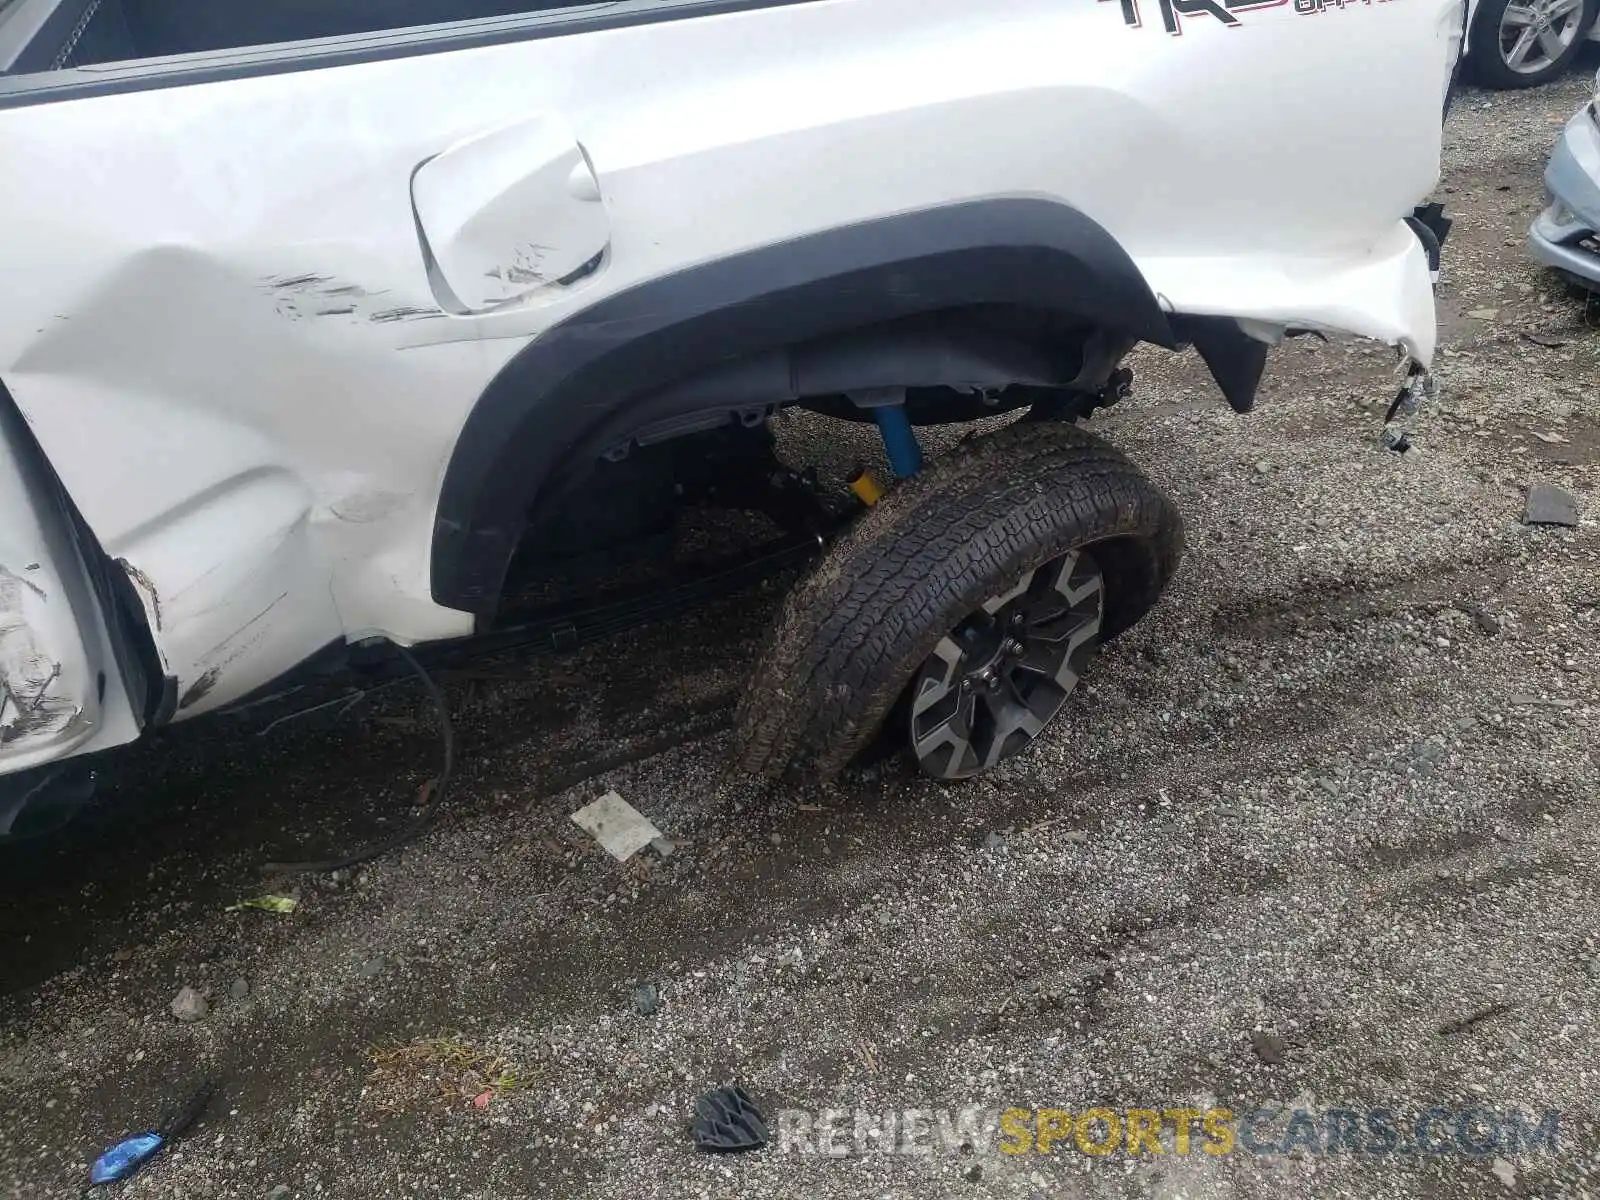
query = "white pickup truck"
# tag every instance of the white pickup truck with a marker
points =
(324, 321)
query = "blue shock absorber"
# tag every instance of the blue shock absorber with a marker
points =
(899, 440)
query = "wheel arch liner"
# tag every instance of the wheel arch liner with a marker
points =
(580, 385)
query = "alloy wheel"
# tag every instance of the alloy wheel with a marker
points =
(1535, 33)
(997, 680)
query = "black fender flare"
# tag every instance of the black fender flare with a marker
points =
(584, 374)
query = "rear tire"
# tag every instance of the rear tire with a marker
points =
(923, 563)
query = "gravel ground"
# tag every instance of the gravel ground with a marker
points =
(1323, 834)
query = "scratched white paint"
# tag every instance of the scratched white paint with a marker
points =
(232, 345)
(507, 213)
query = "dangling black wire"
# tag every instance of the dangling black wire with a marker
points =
(419, 823)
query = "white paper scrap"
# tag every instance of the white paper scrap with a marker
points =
(621, 829)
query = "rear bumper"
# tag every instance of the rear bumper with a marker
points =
(1381, 291)
(1567, 233)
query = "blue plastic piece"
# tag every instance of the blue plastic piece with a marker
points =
(899, 440)
(126, 1157)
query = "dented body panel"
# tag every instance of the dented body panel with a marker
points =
(260, 306)
(61, 692)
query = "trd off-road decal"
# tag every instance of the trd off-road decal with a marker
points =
(1173, 11)
(1309, 8)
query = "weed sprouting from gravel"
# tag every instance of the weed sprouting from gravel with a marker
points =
(441, 1072)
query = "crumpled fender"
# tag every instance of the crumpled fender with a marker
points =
(61, 692)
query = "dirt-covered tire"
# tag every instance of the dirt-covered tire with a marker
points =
(931, 553)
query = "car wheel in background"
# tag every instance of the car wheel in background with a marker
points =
(1523, 43)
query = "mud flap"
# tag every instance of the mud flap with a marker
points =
(1235, 359)
(1432, 227)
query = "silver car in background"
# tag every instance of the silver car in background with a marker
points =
(1566, 235)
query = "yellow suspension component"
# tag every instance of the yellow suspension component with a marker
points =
(866, 487)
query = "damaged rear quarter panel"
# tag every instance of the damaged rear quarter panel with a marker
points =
(229, 337)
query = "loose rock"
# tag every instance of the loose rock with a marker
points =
(1268, 1047)
(189, 1006)
(1550, 505)
(647, 999)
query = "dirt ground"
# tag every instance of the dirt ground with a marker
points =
(1323, 833)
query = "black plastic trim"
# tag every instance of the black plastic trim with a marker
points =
(1432, 228)
(210, 67)
(587, 382)
(1236, 360)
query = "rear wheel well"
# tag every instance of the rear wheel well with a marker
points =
(683, 351)
(953, 365)
(615, 491)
